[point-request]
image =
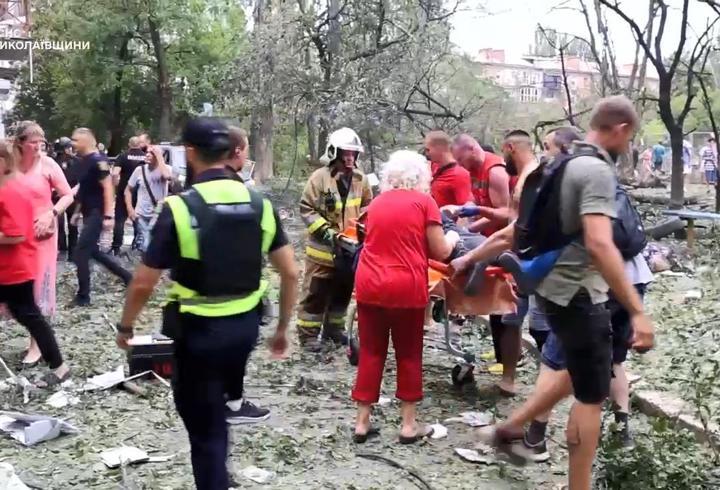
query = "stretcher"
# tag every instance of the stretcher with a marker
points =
(496, 297)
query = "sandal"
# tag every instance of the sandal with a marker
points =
(51, 379)
(420, 435)
(362, 438)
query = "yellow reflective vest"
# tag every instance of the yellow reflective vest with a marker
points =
(324, 212)
(223, 191)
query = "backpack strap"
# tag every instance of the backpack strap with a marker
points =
(443, 169)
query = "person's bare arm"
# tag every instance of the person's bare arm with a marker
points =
(108, 195)
(115, 172)
(164, 168)
(598, 239)
(128, 203)
(139, 291)
(440, 246)
(499, 187)
(283, 260)
(10, 240)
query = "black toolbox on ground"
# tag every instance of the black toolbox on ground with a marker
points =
(151, 353)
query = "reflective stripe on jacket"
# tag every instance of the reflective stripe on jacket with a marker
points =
(324, 212)
(225, 191)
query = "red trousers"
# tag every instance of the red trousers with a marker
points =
(375, 326)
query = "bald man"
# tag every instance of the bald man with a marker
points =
(450, 181)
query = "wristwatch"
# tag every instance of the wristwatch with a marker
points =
(128, 331)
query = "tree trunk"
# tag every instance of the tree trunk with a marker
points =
(262, 125)
(117, 121)
(163, 83)
(677, 184)
(311, 125)
(262, 144)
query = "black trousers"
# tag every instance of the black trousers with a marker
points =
(210, 361)
(67, 241)
(87, 248)
(21, 304)
(121, 216)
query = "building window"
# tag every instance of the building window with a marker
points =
(529, 94)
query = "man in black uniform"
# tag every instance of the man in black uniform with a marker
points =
(65, 157)
(95, 198)
(121, 172)
(213, 238)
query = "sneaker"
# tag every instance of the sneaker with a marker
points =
(537, 453)
(248, 414)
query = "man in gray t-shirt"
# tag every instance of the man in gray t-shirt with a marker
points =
(151, 181)
(574, 293)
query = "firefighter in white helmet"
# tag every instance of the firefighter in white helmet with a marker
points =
(334, 195)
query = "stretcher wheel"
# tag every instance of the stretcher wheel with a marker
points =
(353, 351)
(462, 374)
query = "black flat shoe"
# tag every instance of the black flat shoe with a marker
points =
(422, 434)
(362, 438)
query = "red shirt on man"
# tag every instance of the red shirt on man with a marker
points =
(17, 262)
(450, 185)
(393, 267)
(480, 178)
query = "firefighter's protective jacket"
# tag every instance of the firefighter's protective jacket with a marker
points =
(325, 213)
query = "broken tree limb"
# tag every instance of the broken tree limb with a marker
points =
(651, 199)
(377, 457)
(665, 228)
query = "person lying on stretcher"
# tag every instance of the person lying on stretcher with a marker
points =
(522, 272)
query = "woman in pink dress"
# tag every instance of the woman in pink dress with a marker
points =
(41, 175)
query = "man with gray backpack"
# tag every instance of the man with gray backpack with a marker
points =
(566, 212)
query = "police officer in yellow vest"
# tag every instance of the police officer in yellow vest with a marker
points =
(334, 195)
(213, 237)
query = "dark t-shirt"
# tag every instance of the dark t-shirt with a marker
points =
(91, 169)
(128, 162)
(163, 252)
(69, 166)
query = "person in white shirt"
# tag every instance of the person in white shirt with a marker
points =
(151, 181)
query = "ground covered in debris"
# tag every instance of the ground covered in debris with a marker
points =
(307, 441)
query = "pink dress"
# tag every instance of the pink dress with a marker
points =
(44, 177)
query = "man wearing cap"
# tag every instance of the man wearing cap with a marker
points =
(334, 197)
(213, 237)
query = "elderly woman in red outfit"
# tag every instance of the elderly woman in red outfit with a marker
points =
(404, 229)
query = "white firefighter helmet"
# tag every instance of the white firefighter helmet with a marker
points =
(342, 139)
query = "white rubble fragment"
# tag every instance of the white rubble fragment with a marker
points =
(61, 399)
(472, 456)
(473, 419)
(9, 480)
(105, 380)
(30, 429)
(693, 294)
(258, 475)
(439, 431)
(384, 401)
(119, 456)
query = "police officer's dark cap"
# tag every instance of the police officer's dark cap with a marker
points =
(207, 133)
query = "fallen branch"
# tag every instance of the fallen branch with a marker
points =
(395, 464)
(650, 199)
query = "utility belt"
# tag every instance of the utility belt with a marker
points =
(174, 327)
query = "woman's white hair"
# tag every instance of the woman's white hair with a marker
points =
(405, 169)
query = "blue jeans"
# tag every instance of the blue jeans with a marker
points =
(143, 225)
